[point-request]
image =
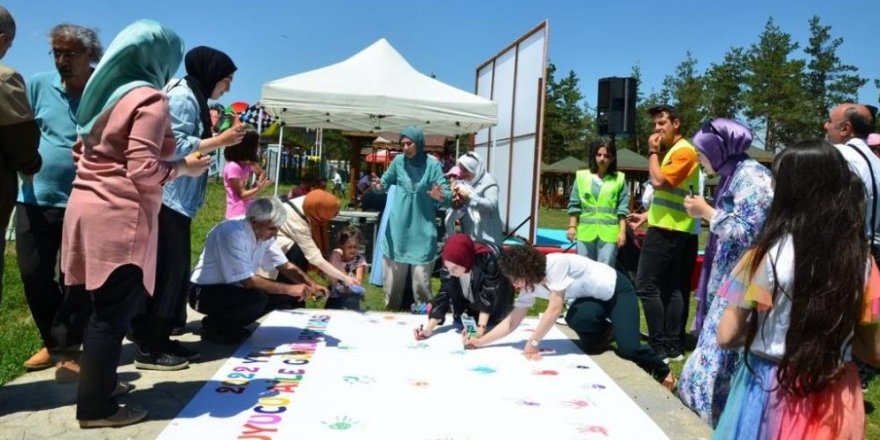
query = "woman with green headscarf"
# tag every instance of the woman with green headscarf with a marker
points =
(411, 235)
(109, 240)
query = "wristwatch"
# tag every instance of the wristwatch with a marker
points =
(653, 152)
(534, 343)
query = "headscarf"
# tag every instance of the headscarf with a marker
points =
(205, 67)
(474, 165)
(320, 207)
(461, 250)
(724, 143)
(418, 137)
(145, 53)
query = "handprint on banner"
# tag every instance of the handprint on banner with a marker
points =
(342, 423)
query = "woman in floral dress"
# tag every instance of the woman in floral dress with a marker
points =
(742, 199)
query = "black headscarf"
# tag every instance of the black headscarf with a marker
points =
(205, 67)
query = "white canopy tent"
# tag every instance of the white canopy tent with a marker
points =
(376, 89)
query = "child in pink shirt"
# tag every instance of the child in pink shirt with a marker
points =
(241, 162)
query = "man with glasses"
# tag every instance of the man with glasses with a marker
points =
(19, 135)
(39, 214)
(670, 248)
(849, 127)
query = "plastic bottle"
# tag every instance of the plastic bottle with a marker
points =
(469, 324)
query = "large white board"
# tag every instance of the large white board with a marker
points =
(514, 79)
(317, 374)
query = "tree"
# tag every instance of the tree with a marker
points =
(552, 139)
(564, 124)
(776, 98)
(685, 89)
(829, 81)
(724, 86)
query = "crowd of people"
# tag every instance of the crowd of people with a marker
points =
(109, 141)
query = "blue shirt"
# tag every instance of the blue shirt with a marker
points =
(184, 194)
(55, 114)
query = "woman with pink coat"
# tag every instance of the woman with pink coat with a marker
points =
(109, 240)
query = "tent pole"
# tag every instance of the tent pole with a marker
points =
(278, 159)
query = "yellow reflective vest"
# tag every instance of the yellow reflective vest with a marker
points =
(667, 210)
(599, 215)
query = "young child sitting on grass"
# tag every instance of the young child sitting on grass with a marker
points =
(347, 258)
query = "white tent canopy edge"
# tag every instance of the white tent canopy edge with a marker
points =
(375, 90)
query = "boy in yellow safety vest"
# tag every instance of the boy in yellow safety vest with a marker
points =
(669, 251)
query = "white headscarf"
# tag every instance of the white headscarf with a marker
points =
(473, 163)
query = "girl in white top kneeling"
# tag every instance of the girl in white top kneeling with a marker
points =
(598, 294)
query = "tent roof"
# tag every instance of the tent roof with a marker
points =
(630, 160)
(381, 141)
(376, 90)
(568, 165)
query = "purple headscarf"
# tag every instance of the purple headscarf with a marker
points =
(724, 143)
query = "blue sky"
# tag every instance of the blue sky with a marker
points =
(273, 39)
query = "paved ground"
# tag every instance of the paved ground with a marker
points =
(35, 407)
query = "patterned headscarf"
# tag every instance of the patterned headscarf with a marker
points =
(724, 142)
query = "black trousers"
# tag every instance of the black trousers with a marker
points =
(280, 302)
(228, 307)
(60, 312)
(152, 325)
(588, 318)
(113, 305)
(663, 284)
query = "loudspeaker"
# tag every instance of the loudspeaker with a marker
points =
(616, 106)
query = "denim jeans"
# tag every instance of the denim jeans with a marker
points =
(598, 250)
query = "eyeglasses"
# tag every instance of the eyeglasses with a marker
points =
(58, 53)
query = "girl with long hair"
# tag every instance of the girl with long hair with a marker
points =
(800, 305)
(599, 205)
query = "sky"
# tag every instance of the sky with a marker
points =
(273, 39)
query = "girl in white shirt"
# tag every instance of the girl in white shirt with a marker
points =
(597, 293)
(800, 306)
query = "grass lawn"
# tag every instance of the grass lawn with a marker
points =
(19, 337)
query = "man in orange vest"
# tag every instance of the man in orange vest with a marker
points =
(669, 250)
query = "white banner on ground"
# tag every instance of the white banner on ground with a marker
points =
(317, 374)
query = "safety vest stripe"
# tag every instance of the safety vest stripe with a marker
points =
(677, 191)
(602, 209)
(598, 221)
(669, 204)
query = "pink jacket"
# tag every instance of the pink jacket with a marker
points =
(112, 215)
